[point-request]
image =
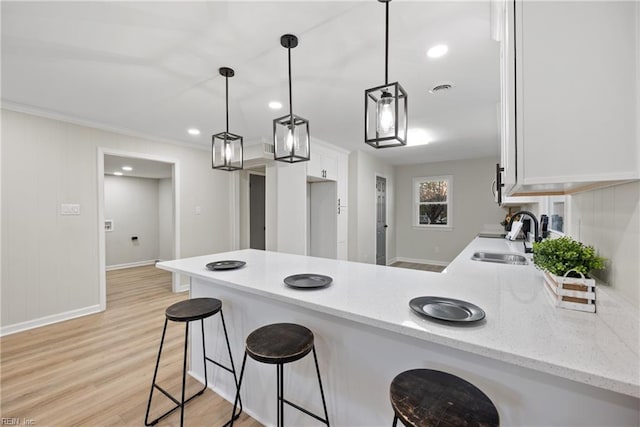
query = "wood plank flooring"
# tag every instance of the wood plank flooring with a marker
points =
(96, 370)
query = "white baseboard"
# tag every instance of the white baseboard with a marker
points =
(230, 399)
(130, 264)
(183, 288)
(420, 261)
(47, 320)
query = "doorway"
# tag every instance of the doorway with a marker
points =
(257, 211)
(170, 197)
(381, 220)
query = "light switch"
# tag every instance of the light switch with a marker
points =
(69, 209)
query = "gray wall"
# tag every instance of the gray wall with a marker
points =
(473, 207)
(50, 265)
(132, 204)
(609, 220)
(363, 168)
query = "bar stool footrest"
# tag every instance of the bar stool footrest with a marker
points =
(306, 411)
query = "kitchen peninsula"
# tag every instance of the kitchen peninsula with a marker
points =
(539, 364)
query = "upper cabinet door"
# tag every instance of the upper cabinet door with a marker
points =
(575, 114)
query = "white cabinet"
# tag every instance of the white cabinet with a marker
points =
(572, 119)
(327, 174)
(323, 165)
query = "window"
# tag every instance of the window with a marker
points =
(432, 201)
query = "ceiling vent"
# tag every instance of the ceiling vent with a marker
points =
(442, 87)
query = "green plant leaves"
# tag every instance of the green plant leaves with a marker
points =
(559, 256)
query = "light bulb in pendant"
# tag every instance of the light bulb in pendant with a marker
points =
(290, 140)
(228, 153)
(386, 119)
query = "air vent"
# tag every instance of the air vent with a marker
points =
(442, 87)
(268, 148)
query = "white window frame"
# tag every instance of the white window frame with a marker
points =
(416, 202)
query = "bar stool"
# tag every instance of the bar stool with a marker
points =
(188, 311)
(424, 397)
(278, 344)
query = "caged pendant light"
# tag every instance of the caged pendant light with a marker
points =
(290, 132)
(385, 107)
(226, 147)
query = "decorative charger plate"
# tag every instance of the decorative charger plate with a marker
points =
(225, 265)
(307, 281)
(448, 309)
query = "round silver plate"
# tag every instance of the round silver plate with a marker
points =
(225, 265)
(307, 281)
(448, 309)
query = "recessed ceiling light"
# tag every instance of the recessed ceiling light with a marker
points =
(118, 173)
(418, 136)
(127, 168)
(438, 51)
(275, 105)
(194, 131)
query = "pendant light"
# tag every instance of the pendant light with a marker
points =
(385, 107)
(226, 147)
(290, 132)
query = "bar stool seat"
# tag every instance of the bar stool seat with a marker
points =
(278, 344)
(185, 312)
(425, 397)
(193, 309)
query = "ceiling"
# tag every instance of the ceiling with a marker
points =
(140, 168)
(152, 68)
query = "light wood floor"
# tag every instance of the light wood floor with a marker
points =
(416, 266)
(96, 370)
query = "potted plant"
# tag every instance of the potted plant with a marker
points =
(566, 264)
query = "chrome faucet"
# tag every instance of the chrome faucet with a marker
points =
(536, 235)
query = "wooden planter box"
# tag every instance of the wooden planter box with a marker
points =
(574, 293)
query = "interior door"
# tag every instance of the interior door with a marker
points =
(256, 211)
(381, 220)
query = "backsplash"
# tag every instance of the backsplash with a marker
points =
(609, 219)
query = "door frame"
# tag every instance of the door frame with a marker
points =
(175, 179)
(375, 218)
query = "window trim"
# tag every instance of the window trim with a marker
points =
(416, 203)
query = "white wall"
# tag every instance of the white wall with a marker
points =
(291, 205)
(609, 220)
(165, 219)
(363, 168)
(473, 208)
(52, 269)
(132, 204)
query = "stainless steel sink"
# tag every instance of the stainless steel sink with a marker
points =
(514, 259)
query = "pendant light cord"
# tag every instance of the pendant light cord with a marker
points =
(290, 94)
(386, 45)
(226, 85)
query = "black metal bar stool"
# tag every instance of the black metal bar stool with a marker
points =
(188, 311)
(278, 344)
(424, 397)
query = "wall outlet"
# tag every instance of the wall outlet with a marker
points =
(69, 209)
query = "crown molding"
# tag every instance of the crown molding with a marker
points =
(48, 114)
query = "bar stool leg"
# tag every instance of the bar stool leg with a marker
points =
(155, 373)
(184, 371)
(395, 420)
(233, 368)
(324, 405)
(280, 399)
(235, 402)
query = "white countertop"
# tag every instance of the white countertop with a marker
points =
(522, 327)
